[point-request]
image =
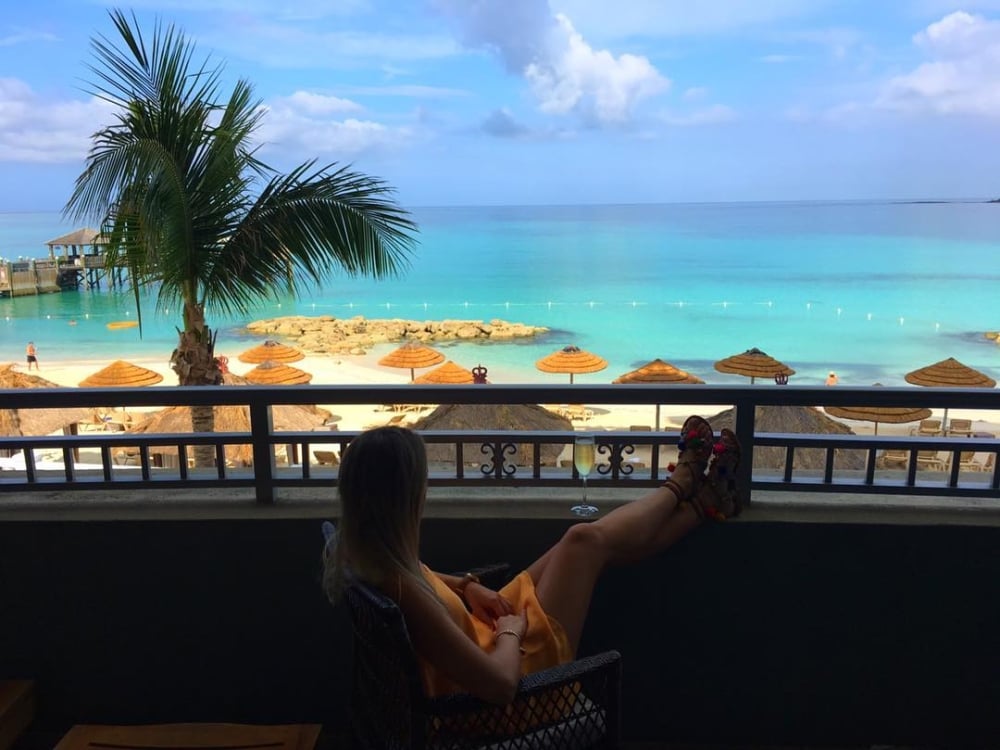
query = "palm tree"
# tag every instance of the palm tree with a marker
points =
(190, 209)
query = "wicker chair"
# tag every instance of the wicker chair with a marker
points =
(574, 705)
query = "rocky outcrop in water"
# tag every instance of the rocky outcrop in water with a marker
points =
(328, 335)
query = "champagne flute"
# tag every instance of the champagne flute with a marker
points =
(583, 460)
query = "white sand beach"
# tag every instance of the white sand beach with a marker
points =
(363, 369)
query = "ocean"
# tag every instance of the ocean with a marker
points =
(871, 290)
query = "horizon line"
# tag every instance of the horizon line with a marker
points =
(773, 201)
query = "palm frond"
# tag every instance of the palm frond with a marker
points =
(188, 205)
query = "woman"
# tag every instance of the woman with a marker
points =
(536, 620)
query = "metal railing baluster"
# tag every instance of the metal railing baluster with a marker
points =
(504, 468)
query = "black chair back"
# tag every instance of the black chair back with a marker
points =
(387, 687)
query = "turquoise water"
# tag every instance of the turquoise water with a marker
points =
(871, 290)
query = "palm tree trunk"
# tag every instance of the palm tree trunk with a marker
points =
(194, 362)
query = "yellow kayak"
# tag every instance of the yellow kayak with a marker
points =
(115, 324)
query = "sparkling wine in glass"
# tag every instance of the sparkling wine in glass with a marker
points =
(583, 460)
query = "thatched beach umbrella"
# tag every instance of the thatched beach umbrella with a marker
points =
(797, 420)
(233, 418)
(876, 414)
(949, 373)
(121, 374)
(447, 374)
(658, 372)
(753, 364)
(573, 360)
(412, 356)
(277, 373)
(34, 421)
(479, 417)
(271, 351)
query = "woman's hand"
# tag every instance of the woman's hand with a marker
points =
(486, 604)
(516, 622)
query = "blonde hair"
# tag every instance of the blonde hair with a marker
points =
(382, 486)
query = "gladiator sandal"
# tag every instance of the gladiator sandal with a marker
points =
(694, 447)
(718, 497)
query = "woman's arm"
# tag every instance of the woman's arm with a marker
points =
(490, 676)
(457, 583)
(485, 603)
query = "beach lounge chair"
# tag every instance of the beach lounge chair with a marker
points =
(893, 458)
(126, 456)
(326, 458)
(576, 412)
(930, 461)
(94, 424)
(967, 462)
(960, 428)
(927, 428)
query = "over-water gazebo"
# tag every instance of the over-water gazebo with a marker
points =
(77, 240)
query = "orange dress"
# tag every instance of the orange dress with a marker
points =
(545, 643)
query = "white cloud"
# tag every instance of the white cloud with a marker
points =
(319, 104)
(415, 91)
(601, 88)
(629, 18)
(280, 45)
(931, 8)
(304, 124)
(714, 115)
(33, 130)
(297, 126)
(566, 74)
(21, 37)
(695, 93)
(961, 75)
(286, 9)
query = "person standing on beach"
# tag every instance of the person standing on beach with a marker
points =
(31, 355)
(832, 378)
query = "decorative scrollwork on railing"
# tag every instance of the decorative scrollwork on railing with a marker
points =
(497, 464)
(616, 464)
(604, 449)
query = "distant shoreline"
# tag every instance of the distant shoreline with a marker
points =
(771, 201)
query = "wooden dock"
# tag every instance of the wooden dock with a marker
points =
(41, 276)
(66, 268)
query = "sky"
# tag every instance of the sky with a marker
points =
(493, 102)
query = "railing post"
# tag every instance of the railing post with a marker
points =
(261, 427)
(744, 415)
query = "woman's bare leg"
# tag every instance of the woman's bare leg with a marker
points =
(565, 575)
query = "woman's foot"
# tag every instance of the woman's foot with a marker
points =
(718, 497)
(695, 447)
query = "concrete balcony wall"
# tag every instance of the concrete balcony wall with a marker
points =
(752, 632)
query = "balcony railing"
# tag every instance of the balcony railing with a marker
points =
(484, 458)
